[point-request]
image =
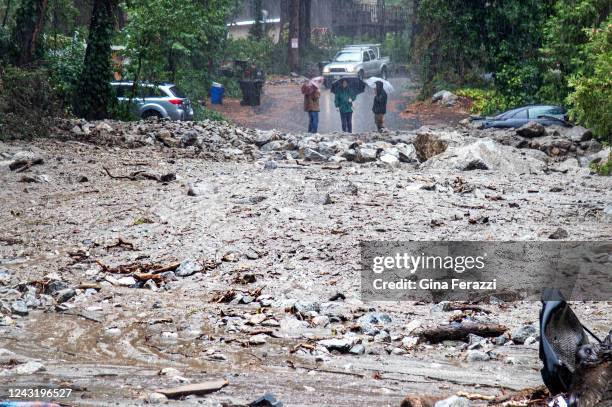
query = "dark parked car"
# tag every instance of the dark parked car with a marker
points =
(544, 114)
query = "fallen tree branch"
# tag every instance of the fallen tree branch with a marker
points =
(461, 332)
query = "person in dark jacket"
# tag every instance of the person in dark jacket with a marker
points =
(344, 102)
(380, 106)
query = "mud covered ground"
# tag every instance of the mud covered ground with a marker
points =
(285, 240)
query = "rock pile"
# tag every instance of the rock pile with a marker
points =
(528, 149)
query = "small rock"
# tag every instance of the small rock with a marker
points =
(55, 286)
(187, 268)
(270, 165)
(257, 319)
(304, 307)
(321, 321)
(407, 153)
(258, 339)
(112, 331)
(169, 371)
(156, 398)
(30, 367)
(126, 281)
(311, 155)
(390, 161)
(477, 356)
(383, 336)
(150, 285)
(500, 340)
(64, 295)
(358, 349)
(340, 345)
(168, 177)
(365, 155)
(443, 306)
(560, 233)
(410, 342)
(5, 276)
(19, 308)
(368, 321)
(454, 401)
(412, 325)
(520, 335)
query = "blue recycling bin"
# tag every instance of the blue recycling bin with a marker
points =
(217, 91)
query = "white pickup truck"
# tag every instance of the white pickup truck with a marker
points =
(357, 61)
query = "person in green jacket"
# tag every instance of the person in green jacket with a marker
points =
(344, 102)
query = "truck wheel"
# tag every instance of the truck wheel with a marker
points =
(361, 75)
(383, 73)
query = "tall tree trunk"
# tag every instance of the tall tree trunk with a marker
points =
(95, 95)
(284, 12)
(29, 24)
(294, 36)
(305, 28)
(6, 12)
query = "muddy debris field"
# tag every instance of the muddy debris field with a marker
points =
(141, 257)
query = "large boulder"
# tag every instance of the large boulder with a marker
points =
(577, 134)
(531, 129)
(406, 153)
(429, 145)
(445, 97)
(486, 154)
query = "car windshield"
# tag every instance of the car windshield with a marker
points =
(177, 92)
(348, 57)
(509, 113)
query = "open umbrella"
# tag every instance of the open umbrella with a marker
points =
(308, 88)
(317, 81)
(356, 85)
(386, 84)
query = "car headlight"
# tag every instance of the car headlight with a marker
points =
(326, 69)
(350, 69)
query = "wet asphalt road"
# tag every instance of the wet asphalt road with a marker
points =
(282, 108)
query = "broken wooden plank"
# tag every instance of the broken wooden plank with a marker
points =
(196, 389)
(458, 332)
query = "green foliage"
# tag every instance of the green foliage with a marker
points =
(163, 37)
(5, 45)
(539, 52)
(592, 95)
(95, 94)
(202, 113)
(603, 168)
(27, 102)
(64, 59)
(397, 47)
(485, 102)
(264, 53)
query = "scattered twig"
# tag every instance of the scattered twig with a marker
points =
(120, 243)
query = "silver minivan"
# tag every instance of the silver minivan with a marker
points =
(165, 100)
